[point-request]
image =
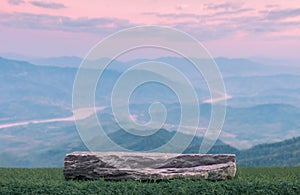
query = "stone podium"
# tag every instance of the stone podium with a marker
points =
(148, 166)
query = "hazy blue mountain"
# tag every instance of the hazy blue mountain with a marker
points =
(247, 91)
(247, 67)
(285, 153)
(228, 66)
(249, 83)
(288, 62)
(17, 56)
(33, 92)
(53, 155)
(261, 124)
(63, 61)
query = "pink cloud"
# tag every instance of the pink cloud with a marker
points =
(219, 25)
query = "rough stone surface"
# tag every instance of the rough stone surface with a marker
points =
(148, 166)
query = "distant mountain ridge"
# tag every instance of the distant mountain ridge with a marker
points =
(228, 66)
(286, 153)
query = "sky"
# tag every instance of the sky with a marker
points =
(243, 29)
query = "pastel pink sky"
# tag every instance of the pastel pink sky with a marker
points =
(227, 28)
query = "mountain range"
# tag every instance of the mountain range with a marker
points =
(285, 153)
(263, 109)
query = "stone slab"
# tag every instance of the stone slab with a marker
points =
(148, 166)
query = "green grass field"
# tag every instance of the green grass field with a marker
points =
(254, 180)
